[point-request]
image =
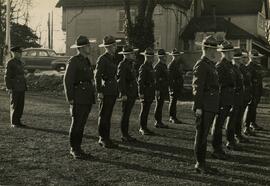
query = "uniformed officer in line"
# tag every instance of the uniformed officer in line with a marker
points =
(227, 81)
(162, 85)
(80, 93)
(146, 88)
(16, 85)
(206, 98)
(255, 69)
(128, 88)
(235, 121)
(107, 89)
(176, 82)
(247, 97)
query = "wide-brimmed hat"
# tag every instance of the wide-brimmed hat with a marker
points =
(81, 41)
(127, 49)
(175, 52)
(161, 52)
(226, 46)
(16, 49)
(109, 40)
(148, 52)
(238, 54)
(255, 54)
(208, 42)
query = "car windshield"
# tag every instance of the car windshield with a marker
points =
(52, 53)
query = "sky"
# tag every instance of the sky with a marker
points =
(38, 17)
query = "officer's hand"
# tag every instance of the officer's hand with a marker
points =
(124, 98)
(100, 96)
(198, 112)
(9, 91)
(71, 102)
(157, 94)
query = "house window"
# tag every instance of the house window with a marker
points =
(157, 42)
(186, 45)
(122, 19)
(243, 44)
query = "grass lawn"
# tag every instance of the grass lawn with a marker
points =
(39, 154)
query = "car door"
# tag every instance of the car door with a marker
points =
(29, 59)
(45, 60)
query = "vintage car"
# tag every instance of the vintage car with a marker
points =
(43, 59)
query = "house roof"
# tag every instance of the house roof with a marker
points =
(231, 7)
(92, 3)
(207, 24)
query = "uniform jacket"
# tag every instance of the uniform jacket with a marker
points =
(227, 81)
(161, 78)
(247, 83)
(146, 81)
(105, 77)
(205, 86)
(78, 81)
(176, 80)
(239, 87)
(127, 82)
(14, 76)
(256, 80)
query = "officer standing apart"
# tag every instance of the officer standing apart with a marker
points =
(146, 88)
(16, 85)
(176, 82)
(227, 81)
(107, 89)
(128, 88)
(255, 69)
(206, 99)
(80, 93)
(162, 85)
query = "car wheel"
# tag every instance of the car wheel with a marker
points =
(31, 70)
(60, 68)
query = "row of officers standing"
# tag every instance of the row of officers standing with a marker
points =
(223, 90)
(112, 80)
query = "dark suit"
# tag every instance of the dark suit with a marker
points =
(79, 88)
(246, 98)
(235, 121)
(127, 87)
(162, 83)
(176, 82)
(106, 83)
(227, 81)
(146, 88)
(206, 97)
(256, 92)
(16, 82)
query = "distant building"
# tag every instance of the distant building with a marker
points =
(241, 21)
(97, 18)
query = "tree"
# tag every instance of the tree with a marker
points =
(140, 33)
(20, 33)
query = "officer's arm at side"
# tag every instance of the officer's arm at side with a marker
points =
(98, 76)
(69, 81)
(9, 76)
(198, 83)
(141, 80)
(122, 79)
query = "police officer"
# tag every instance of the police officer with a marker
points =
(176, 82)
(247, 97)
(128, 88)
(206, 99)
(235, 121)
(255, 69)
(162, 85)
(107, 89)
(227, 81)
(146, 88)
(80, 93)
(16, 85)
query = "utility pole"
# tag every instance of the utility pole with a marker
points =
(52, 32)
(49, 31)
(8, 26)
